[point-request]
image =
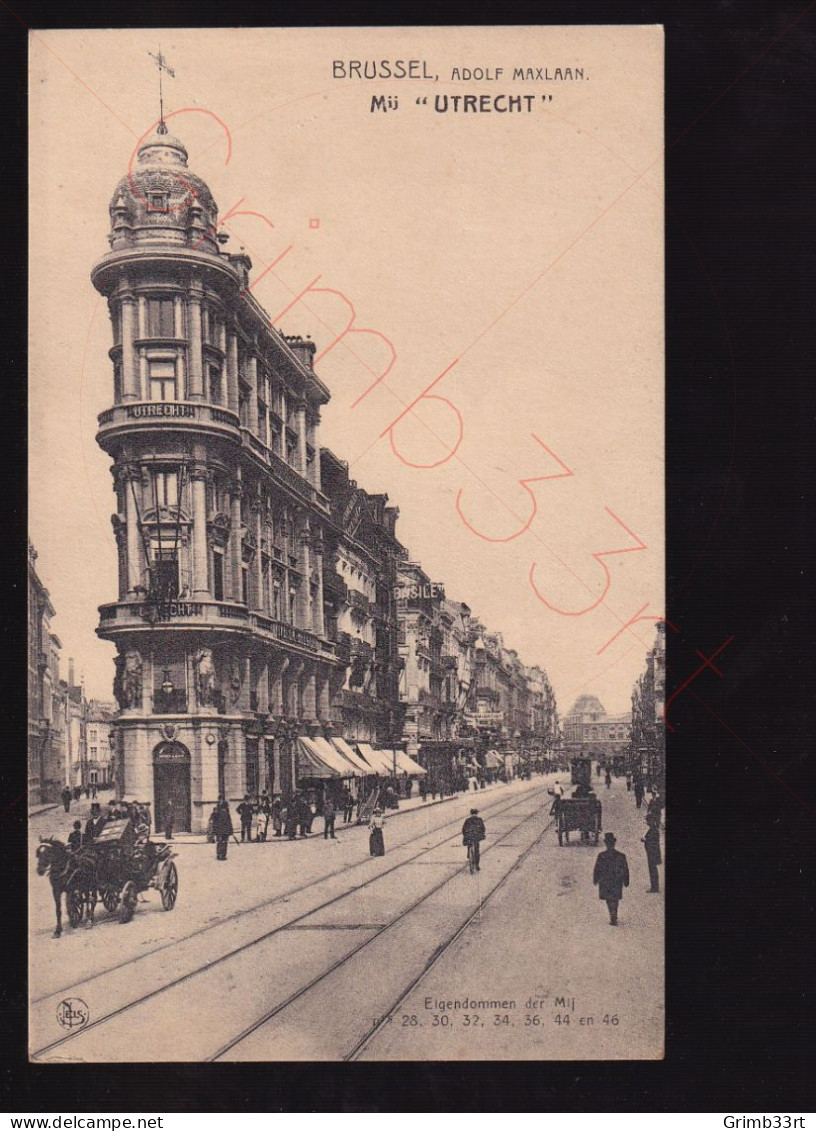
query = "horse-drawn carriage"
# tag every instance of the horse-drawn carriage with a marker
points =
(579, 814)
(116, 867)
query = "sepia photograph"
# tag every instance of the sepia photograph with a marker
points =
(346, 545)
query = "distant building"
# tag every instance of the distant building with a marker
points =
(45, 779)
(98, 730)
(590, 730)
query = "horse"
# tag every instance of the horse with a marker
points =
(72, 873)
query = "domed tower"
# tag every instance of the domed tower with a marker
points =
(222, 657)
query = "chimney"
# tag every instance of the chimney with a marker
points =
(70, 672)
(304, 349)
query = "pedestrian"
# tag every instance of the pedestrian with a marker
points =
(264, 813)
(302, 815)
(290, 817)
(222, 829)
(94, 791)
(638, 792)
(277, 816)
(423, 789)
(376, 841)
(608, 779)
(651, 842)
(557, 792)
(628, 783)
(598, 768)
(77, 792)
(75, 838)
(348, 806)
(245, 810)
(329, 813)
(473, 831)
(655, 806)
(612, 876)
(87, 792)
(409, 788)
(66, 798)
(169, 818)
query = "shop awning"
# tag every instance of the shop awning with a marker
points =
(492, 760)
(379, 760)
(407, 765)
(317, 759)
(361, 769)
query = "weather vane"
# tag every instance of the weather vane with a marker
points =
(161, 63)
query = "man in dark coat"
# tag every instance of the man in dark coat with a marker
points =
(612, 876)
(245, 813)
(473, 831)
(222, 829)
(638, 792)
(66, 796)
(75, 838)
(329, 814)
(169, 818)
(651, 842)
(94, 825)
(348, 806)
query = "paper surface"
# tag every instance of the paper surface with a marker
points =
(468, 225)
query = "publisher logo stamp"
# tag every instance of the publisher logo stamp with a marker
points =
(73, 1013)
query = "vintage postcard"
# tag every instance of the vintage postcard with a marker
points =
(346, 544)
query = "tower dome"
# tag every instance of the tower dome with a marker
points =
(161, 201)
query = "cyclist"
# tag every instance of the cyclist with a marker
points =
(473, 831)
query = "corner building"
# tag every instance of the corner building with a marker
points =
(222, 656)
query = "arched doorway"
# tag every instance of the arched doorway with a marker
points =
(171, 779)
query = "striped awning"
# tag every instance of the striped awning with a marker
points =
(317, 759)
(375, 758)
(361, 768)
(407, 765)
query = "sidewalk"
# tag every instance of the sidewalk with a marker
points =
(405, 806)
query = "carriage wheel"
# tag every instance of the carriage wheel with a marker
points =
(110, 899)
(75, 900)
(169, 888)
(128, 905)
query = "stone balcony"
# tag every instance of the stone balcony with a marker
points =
(151, 415)
(224, 615)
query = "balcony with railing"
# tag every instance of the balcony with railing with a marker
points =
(130, 415)
(191, 614)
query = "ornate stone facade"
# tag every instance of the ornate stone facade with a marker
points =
(220, 519)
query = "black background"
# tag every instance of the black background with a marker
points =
(740, 131)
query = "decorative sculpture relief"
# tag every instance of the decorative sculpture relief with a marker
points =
(205, 677)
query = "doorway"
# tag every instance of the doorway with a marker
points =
(171, 780)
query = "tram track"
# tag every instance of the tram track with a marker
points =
(377, 934)
(189, 975)
(236, 915)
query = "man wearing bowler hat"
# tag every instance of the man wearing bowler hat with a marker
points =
(612, 876)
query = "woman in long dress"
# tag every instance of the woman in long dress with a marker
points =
(376, 842)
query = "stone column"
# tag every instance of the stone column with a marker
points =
(263, 687)
(232, 371)
(257, 595)
(318, 622)
(236, 560)
(323, 696)
(316, 461)
(201, 587)
(130, 368)
(309, 693)
(195, 389)
(132, 481)
(301, 430)
(303, 619)
(252, 374)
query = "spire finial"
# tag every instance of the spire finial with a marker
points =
(161, 63)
